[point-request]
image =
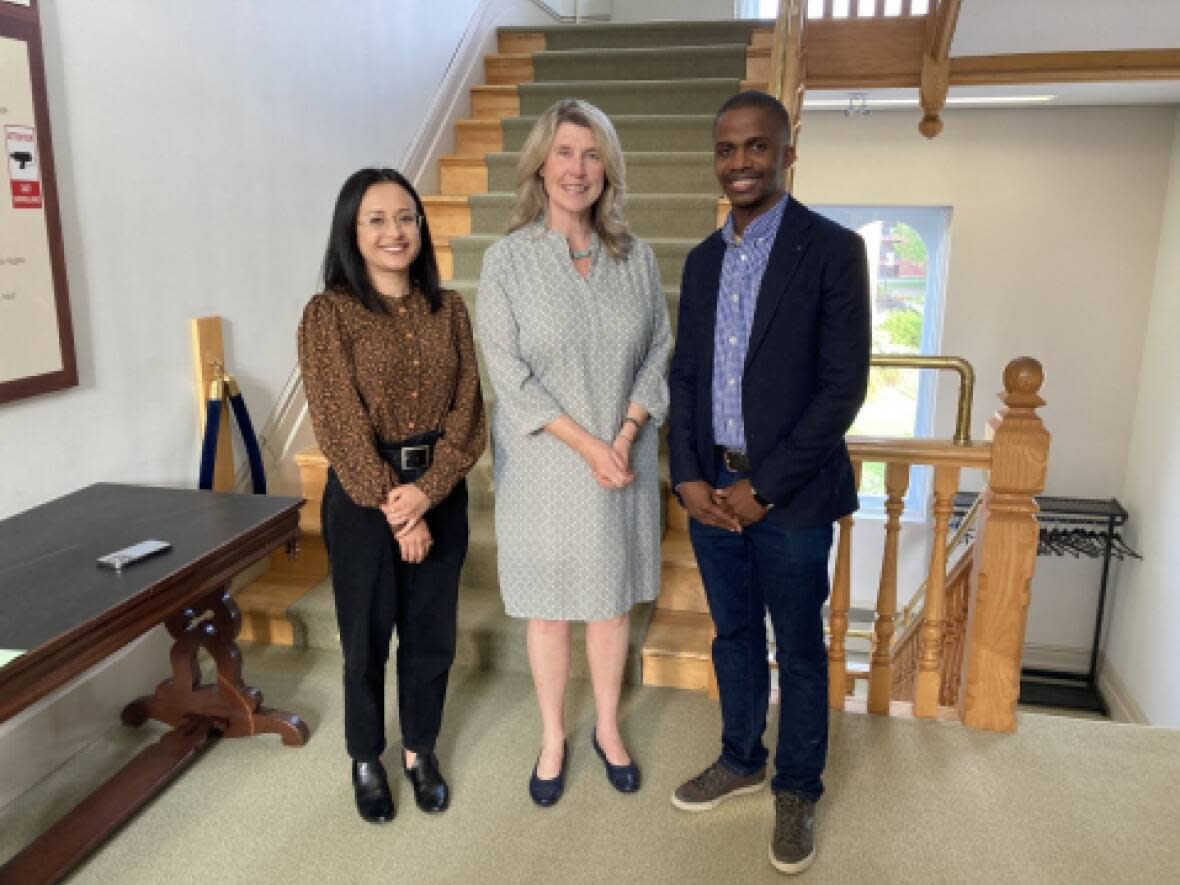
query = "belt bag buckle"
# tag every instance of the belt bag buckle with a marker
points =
(414, 457)
(735, 461)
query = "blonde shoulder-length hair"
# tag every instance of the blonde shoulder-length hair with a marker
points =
(606, 215)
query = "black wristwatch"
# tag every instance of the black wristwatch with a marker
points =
(762, 502)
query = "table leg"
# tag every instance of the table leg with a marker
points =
(234, 708)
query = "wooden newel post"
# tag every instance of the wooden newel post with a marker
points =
(1005, 553)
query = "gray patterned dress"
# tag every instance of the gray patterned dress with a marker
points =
(555, 343)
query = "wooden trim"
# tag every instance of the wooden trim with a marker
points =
(936, 66)
(22, 23)
(495, 102)
(976, 455)
(478, 137)
(208, 349)
(943, 28)
(509, 69)
(462, 175)
(864, 52)
(1066, 67)
(509, 42)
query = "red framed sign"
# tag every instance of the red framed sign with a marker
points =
(36, 336)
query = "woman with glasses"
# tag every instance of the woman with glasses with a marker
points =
(574, 330)
(392, 387)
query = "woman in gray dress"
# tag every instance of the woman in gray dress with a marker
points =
(574, 329)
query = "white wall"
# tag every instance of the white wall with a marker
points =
(1053, 240)
(1142, 651)
(199, 149)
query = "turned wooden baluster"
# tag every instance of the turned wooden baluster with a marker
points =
(930, 636)
(840, 602)
(897, 480)
(1005, 553)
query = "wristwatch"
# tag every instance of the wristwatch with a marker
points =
(761, 501)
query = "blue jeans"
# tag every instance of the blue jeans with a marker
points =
(784, 571)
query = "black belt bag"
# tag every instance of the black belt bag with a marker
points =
(410, 457)
(735, 460)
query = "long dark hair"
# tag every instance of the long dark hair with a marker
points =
(344, 268)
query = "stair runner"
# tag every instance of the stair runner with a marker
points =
(661, 84)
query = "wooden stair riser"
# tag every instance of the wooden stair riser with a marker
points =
(681, 589)
(463, 176)
(508, 69)
(682, 172)
(474, 138)
(448, 217)
(494, 102)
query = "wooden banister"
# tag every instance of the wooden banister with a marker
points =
(840, 602)
(897, 481)
(1005, 552)
(928, 684)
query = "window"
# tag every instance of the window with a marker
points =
(907, 248)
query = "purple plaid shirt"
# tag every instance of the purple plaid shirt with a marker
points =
(741, 277)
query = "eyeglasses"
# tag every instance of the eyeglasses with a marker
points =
(403, 221)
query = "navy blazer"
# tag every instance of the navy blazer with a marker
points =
(806, 371)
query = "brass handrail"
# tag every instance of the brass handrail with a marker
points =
(965, 526)
(942, 363)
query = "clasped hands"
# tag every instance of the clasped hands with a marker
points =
(404, 508)
(610, 464)
(730, 508)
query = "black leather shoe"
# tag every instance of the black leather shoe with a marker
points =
(430, 790)
(547, 792)
(624, 778)
(374, 802)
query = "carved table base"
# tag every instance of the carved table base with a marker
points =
(200, 715)
(233, 708)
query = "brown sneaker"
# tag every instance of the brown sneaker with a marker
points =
(713, 786)
(792, 847)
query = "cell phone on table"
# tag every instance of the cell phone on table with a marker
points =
(120, 559)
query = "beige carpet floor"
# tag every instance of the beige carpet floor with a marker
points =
(1062, 801)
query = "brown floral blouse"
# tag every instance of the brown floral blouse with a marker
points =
(372, 377)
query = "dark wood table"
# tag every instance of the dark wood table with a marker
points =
(66, 614)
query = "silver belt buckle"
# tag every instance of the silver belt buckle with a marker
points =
(419, 463)
(734, 460)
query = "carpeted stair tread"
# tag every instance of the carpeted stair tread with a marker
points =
(665, 215)
(652, 133)
(689, 96)
(648, 172)
(643, 34)
(641, 63)
(670, 253)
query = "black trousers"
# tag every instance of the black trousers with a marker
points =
(377, 591)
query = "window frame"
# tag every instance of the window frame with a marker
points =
(933, 225)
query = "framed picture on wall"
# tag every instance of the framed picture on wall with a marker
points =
(36, 336)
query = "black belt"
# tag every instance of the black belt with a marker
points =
(735, 460)
(413, 455)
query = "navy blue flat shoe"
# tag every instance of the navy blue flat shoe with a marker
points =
(624, 778)
(547, 792)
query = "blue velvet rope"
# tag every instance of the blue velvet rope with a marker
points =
(249, 438)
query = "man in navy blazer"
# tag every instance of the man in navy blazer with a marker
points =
(770, 369)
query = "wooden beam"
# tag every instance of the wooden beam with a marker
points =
(936, 65)
(1066, 67)
(788, 65)
(864, 53)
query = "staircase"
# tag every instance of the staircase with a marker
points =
(661, 84)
